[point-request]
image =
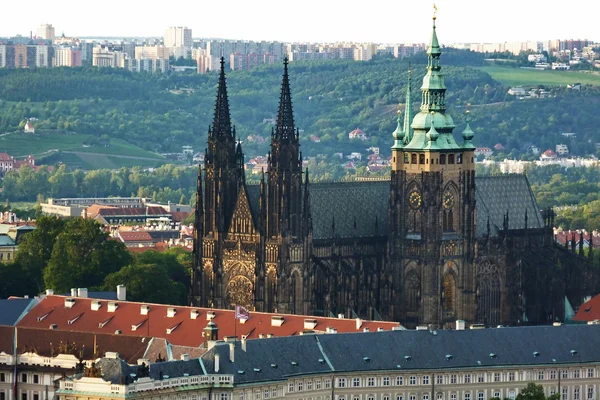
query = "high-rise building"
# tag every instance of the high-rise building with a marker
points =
(177, 36)
(46, 31)
(67, 57)
(429, 245)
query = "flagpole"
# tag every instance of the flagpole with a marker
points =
(235, 325)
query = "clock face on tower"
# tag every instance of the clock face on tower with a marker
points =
(414, 199)
(448, 200)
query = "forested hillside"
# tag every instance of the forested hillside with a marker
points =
(162, 113)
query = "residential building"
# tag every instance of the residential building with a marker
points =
(483, 151)
(476, 364)
(562, 149)
(358, 134)
(178, 36)
(67, 57)
(106, 56)
(152, 52)
(46, 31)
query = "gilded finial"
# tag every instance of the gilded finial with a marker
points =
(434, 12)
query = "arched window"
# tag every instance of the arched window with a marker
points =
(459, 158)
(412, 292)
(296, 291)
(421, 158)
(413, 158)
(442, 159)
(488, 293)
(450, 158)
(448, 293)
(406, 158)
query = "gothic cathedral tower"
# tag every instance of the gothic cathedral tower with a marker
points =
(223, 176)
(432, 210)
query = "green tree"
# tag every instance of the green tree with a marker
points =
(148, 283)
(535, 392)
(82, 256)
(35, 250)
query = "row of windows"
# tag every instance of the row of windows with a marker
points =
(463, 378)
(443, 159)
(480, 395)
(309, 385)
(24, 377)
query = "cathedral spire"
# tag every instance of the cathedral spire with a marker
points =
(468, 132)
(222, 121)
(433, 89)
(285, 118)
(408, 109)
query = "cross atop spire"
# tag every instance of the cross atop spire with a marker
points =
(285, 129)
(222, 121)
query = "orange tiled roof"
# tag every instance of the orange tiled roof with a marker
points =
(180, 329)
(589, 311)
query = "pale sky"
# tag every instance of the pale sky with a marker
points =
(379, 21)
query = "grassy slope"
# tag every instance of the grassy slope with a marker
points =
(530, 77)
(20, 144)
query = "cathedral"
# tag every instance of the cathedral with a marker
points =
(431, 244)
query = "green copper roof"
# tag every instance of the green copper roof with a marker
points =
(398, 135)
(468, 134)
(434, 45)
(408, 110)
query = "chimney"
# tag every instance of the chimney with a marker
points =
(121, 293)
(210, 315)
(194, 314)
(217, 359)
(340, 316)
(331, 330)
(460, 324)
(82, 292)
(232, 352)
(49, 292)
(112, 306)
(73, 292)
(96, 304)
(144, 310)
(185, 357)
(277, 320)
(171, 311)
(358, 323)
(243, 343)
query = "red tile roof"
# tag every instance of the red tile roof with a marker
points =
(589, 311)
(118, 211)
(139, 236)
(184, 330)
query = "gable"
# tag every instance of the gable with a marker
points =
(242, 221)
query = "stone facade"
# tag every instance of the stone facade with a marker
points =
(429, 245)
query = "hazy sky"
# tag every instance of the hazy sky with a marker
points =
(381, 21)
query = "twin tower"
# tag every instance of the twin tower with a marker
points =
(412, 247)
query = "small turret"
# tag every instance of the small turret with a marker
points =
(398, 134)
(468, 133)
(432, 134)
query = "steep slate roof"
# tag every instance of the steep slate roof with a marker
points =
(12, 310)
(365, 201)
(185, 330)
(408, 350)
(497, 195)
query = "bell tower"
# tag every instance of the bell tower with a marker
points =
(432, 208)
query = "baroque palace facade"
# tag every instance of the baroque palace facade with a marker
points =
(479, 364)
(431, 245)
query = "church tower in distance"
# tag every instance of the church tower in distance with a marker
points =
(432, 209)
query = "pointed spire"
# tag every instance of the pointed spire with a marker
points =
(222, 121)
(434, 45)
(408, 117)
(285, 118)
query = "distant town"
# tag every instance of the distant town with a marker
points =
(177, 50)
